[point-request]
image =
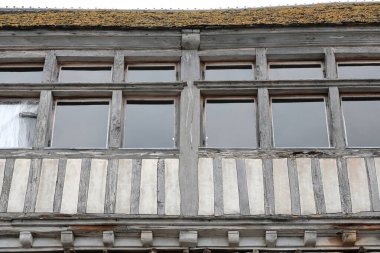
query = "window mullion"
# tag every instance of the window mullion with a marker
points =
(338, 135)
(115, 128)
(118, 68)
(330, 64)
(43, 124)
(264, 118)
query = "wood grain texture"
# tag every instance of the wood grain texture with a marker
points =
(264, 119)
(7, 181)
(294, 186)
(330, 64)
(161, 187)
(83, 185)
(344, 185)
(115, 129)
(58, 195)
(118, 68)
(44, 114)
(261, 67)
(319, 194)
(50, 71)
(242, 187)
(135, 188)
(372, 183)
(218, 187)
(111, 186)
(269, 197)
(338, 133)
(32, 187)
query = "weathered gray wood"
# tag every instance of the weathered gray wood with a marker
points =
(43, 119)
(271, 239)
(319, 194)
(268, 186)
(330, 64)
(23, 56)
(83, 185)
(111, 186)
(115, 132)
(294, 186)
(32, 188)
(59, 185)
(344, 187)
(67, 239)
(190, 39)
(26, 239)
(242, 186)
(118, 69)
(7, 181)
(161, 187)
(188, 238)
(228, 55)
(310, 238)
(373, 184)
(295, 53)
(108, 239)
(190, 132)
(336, 118)
(167, 55)
(218, 187)
(233, 238)
(146, 238)
(135, 188)
(349, 238)
(265, 125)
(50, 72)
(261, 70)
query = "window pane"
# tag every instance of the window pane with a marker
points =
(151, 74)
(299, 123)
(85, 74)
(21, 75)
(80, 125)
(17, 124)
(362, 121)
(230, 123)
(149, 124)
(295, 72)
(229, 72)
(359, 71)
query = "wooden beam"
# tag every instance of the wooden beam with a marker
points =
(43, 124)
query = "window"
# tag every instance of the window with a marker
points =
(17, 123)
(300, 122)
(230, 123)
(80, 124)
(149, 124)
(94, 74)
(21, 74)
(151, 73)
(359, 70)
(233, 72)
(362, 121)
(295, 71)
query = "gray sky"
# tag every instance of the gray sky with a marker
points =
(153, 4)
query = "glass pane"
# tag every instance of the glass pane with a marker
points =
(85, 74)
(21, 75)
(80, 125)
(17, 124)
(230, 124)
(229, 73)
(362, 121)
(299, 123)
(149, 124)
(359, 71)
(295, 72)
(151, 74)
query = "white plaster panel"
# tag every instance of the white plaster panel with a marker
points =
(70, 191)
(206, 186)
(255, 185)
(305, 182)
(19, 185)
(97, 186)
(124, 184)
(148, 187)
(330, 182)
(230, 187)
(2, 170)
(281, 187)
(357, 176)
(46, 187)
(172, 192)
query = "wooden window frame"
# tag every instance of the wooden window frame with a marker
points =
(83, 65)
(176, 66)
(298, 62)
(226, 63)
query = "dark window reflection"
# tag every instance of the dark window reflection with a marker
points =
(21, 75)
(362, 121)
(151, 74)
(85, 74)
(295, 71)
(359, 71)
(149, 124)
(80, 125)
(228, 72)
(230, 123)
(299, 123)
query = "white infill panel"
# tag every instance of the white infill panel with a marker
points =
(124, 184)
(329, 173)
(2, 168)
(97, 186)
(357, 176)
(19, 185)
(46, 188)
(148, 187)
(305, 182)
(377, 164)
(71, 186)
(255, 185)
(282, 200)
(172, 193)
(206, 186)
(230, 187)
